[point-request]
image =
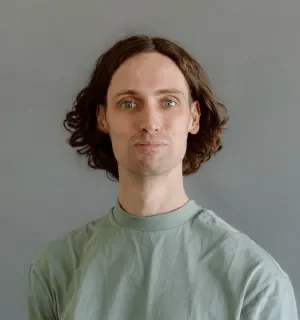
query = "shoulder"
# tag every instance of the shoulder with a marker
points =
(246, 254)
(247, 266)
(65, 251)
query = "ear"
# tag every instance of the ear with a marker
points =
(101, 118)
(194, 124)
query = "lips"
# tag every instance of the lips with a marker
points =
(150, 143)
(149, 146)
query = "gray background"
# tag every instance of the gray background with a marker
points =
(251, 51)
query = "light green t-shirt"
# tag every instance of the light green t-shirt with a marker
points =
(187, 264)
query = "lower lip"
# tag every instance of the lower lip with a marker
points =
(149, 146)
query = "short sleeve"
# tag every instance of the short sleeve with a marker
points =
(40, 304)
(276, 301)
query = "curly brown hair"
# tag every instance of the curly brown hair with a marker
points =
(96, 145)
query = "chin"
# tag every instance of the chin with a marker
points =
(145, 170)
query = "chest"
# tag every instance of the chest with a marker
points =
(150, 284)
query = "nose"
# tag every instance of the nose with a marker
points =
(149, 120)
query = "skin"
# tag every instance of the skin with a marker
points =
(150, 180)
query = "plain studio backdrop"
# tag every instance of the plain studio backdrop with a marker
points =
(251, 52)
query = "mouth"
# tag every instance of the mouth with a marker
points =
(149, 146)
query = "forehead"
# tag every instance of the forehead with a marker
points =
(148, 72)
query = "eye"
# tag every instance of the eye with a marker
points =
(169, 103)
(128, 104)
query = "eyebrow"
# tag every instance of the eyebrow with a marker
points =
(158, 92)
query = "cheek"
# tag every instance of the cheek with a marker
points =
(120, 133)
(118, 124)
(178, 125)
(179, 132)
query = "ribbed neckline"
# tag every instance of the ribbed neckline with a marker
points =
(162, 221)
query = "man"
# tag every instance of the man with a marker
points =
(148, 117)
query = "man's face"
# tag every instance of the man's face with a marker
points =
(148, 102)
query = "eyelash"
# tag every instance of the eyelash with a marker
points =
(125, 101)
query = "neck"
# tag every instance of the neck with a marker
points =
(148, 196)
